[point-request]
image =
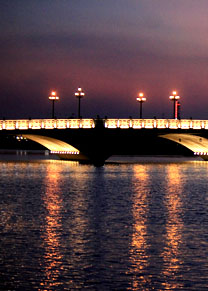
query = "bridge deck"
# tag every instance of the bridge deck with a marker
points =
(25, 124)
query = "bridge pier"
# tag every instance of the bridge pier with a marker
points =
(97, 161)
(97, 158)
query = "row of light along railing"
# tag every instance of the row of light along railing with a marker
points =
(200, 153)
(65, 152)
(108, 123)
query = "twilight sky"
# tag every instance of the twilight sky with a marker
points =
(111, 48)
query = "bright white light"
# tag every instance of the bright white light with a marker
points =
(79, 93)
(174, 97)
(53, 96)
(143, 99)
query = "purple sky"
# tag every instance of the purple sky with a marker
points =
(113, 49)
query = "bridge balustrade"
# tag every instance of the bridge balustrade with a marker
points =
(87, 123)
(9, 124)
(62, 123)
(173, 123)
(137, 123)
(111, 123)
(197, 124)
(149, 123)
(124, 123)
(74, 123)
(36, 124)
(161, 123)
(49, 123)
(24, 124)
(205, 124)
(185, 124)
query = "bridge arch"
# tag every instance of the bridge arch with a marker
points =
(197, 144)
(56, 146)
(53, 144)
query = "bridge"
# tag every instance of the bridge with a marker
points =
(95, 140)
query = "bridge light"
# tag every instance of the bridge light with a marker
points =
(141, 99)
(79, 94)
(174, 97)
(53, 97)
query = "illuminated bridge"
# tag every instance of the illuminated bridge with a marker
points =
(95, 140)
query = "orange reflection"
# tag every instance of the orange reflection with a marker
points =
(53, 204)
(77, 224)
(138, 246)
(171, 254)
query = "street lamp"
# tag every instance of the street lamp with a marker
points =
(141, 99)
(79, 94)
(174, 97)
(53, 98)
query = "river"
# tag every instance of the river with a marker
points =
(124, 226)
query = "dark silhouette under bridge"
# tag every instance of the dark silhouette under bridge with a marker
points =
(95, 140)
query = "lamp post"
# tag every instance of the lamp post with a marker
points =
(53, 97)
(79, 94)
(141, 99)
(174, 97)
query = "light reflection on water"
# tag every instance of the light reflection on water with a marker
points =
(138, 250)
(174, 225)
(65, 226)
(51, 240)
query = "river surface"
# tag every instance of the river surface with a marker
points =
(137, 226)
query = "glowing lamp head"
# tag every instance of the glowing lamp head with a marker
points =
(141, 97)
(53, 96)
(174, 96)
(79, 93)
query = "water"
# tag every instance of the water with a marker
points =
(65, 226)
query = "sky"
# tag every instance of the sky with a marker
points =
(113, 49)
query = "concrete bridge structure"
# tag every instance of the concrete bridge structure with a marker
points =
(95, 140)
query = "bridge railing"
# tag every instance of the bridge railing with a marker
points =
(24, 124)
(156, 123)
(46, 124)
